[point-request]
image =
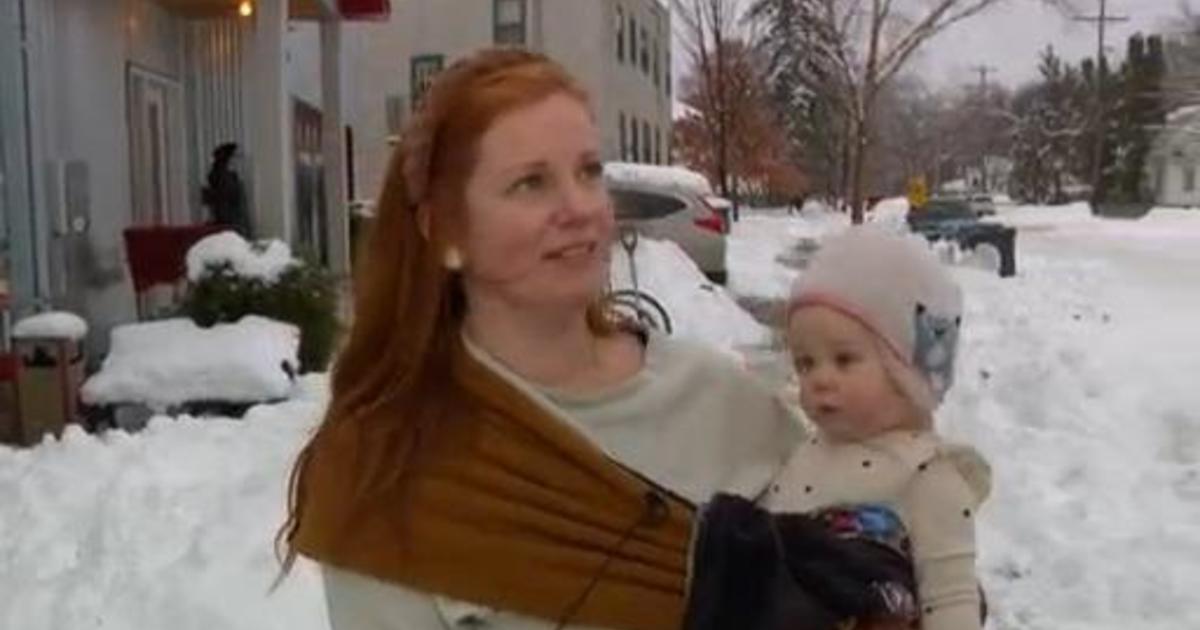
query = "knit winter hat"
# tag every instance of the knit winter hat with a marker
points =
(895, 286)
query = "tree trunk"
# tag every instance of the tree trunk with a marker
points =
(857, 194)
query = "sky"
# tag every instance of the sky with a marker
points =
(1009, 37)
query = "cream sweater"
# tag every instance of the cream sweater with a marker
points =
(936, 489)
(690, 420)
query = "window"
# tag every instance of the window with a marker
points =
(656, 64)
(424, 69)
(645, 52)
(624, 147)
(632, 204)
(633, 143)
(620, 36)
(509, 22)
(632, 40)
(646, 148)
(667, 71)
(657, 146)
(1189, 178)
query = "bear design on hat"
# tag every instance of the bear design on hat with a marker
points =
(936, 339)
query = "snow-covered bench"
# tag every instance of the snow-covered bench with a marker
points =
(173, 364)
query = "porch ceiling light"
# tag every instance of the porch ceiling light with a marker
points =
(245, 8)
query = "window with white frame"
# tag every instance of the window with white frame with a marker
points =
(645, 52)
(424, 69)
(624, 152)
(620, 24)
(646, 147)
(632, 40)
(509, 22)
(633, 143)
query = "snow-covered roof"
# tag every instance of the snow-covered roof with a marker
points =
(265, 260)
(676, 177)
(51, 325)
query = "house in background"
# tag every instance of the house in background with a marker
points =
(1173, 164)
(619, 49)
(1174, 159)
(109, 111)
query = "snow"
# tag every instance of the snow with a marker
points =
(1181, 113)
(1077, 380)
(169, 362)
(265, 260)
(167, 528)
(658, 176)
(698, 309)
(51, 325)
(761, 247)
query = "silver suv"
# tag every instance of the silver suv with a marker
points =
(675, 204)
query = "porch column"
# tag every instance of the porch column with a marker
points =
(333, 145)
(269, 122)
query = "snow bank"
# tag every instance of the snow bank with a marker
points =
(663, 176)
(171, 527)
(51, 325)
(891, 214)
(265, 260)
(168, 362)
(766, 249)
(698, 309)
(1085, 403)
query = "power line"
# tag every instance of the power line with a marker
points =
(983, 70)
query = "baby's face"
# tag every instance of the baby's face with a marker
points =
(844, 385)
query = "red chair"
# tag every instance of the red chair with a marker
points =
(157, 254)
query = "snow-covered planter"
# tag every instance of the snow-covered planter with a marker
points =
(168, 363)
(230, 278)
(51, 325)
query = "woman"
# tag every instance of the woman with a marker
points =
(495, 436)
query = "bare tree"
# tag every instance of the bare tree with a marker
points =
(872, 42)
(707, 30)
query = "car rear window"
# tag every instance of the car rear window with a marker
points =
(633, 204)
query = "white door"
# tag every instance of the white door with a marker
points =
(155, 149)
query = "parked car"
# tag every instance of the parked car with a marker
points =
(982, 205)
(675, 204)
(954, 220)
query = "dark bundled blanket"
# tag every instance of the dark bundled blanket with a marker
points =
(753, 570)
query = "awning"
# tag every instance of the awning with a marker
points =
(364, 9)
(297, 9)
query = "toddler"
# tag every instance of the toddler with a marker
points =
(872, 326)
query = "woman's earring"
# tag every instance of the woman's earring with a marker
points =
(453, 259)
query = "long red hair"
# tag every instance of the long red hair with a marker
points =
(392, 376)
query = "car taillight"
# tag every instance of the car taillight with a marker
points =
(712, 223)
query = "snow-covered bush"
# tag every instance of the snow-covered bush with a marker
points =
(230, 278)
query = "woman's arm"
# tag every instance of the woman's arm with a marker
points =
(940, 507)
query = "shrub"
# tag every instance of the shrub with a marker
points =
(304, 294)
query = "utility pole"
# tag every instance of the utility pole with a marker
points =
(1101, 21)
(984, 70)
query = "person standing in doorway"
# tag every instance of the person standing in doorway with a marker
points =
(224, 194)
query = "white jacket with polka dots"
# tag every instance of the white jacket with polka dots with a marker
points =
(935, 487)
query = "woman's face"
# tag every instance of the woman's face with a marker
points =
(538, 218)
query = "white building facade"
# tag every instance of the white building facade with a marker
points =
(618, 49)
(109, 111)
